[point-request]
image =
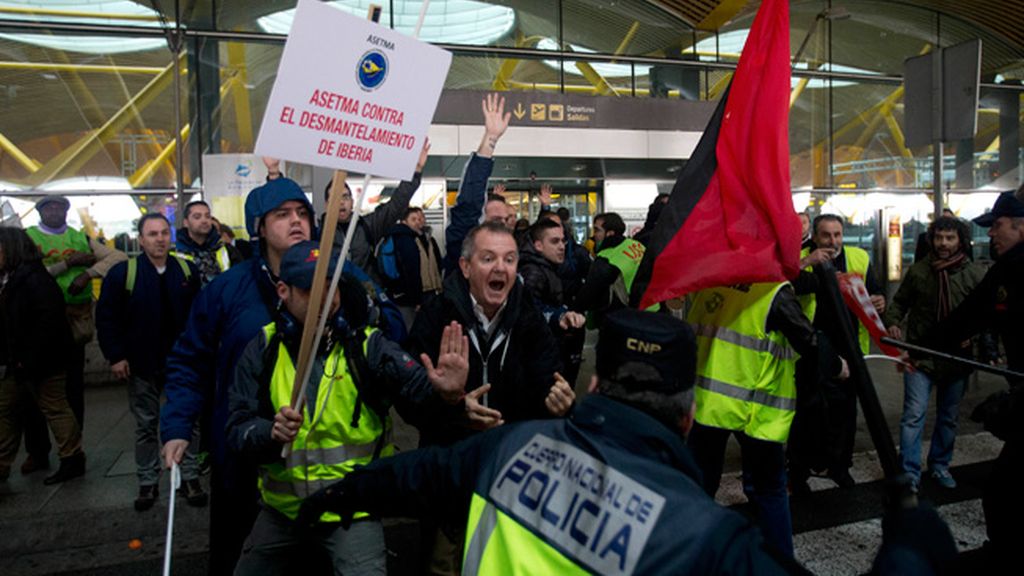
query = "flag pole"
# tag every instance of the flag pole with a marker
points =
(831, 303)
(304, 368)
(954, 358)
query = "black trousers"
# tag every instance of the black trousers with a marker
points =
(234, 505)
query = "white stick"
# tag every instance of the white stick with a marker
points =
(175, 484)
(333, 288)
(419, 22)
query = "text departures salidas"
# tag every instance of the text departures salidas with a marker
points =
(338, 125)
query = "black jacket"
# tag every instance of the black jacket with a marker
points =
(407, 289)
(997, 303)
(128, 326)
(519, 361)
(371, 227)
(596, 294)
(542, 283)
(36, 337)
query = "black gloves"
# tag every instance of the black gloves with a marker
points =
(330, 499)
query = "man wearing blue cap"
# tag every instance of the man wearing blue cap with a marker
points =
(998, 302)
(357, 375)
(612, 489)
(226, 315)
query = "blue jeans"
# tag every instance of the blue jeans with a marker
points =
(764, 478)
(917, 389)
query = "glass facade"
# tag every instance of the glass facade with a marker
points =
(94, 97)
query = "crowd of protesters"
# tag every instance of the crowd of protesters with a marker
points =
(486, 333)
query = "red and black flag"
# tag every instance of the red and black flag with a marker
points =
(730, 217)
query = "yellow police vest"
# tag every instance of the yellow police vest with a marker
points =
(745, 375)
(857, 263)
(510, 548)
(329, 444)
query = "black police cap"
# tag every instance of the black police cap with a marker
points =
(658, 340)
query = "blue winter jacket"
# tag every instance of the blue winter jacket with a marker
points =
(468, 209)
(226, 315)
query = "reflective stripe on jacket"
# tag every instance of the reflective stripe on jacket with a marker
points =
(333, 439)
(745, 375)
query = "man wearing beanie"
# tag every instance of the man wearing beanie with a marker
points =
(343, 423)
(225, 316)
(73, 259)
(612, 489)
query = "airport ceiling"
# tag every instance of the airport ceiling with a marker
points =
(46, 111)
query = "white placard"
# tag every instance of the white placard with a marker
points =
(352, 95)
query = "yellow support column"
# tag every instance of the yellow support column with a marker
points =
(75, 156)
(243, 111)
(20, 157)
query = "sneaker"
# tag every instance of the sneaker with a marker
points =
(70, 467)
(943, 478)
(193, 492)
(33, 464)
(147, 497)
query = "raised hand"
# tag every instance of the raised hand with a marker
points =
(545, 194)
(449, 377)
(495, 123)
(273, 167)
(424, 152)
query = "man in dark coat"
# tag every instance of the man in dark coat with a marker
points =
(540, 261)
(410, 265)
(142, 310)
(998, 303)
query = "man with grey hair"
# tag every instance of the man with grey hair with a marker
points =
(513, 357)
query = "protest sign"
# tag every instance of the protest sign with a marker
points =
(351, 95)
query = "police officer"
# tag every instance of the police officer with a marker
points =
(612, 489)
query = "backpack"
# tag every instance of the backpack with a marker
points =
(386, 259)
(133, 271)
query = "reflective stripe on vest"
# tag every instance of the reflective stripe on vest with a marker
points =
(55, 248)
(221, 256)
(745, 375)
(327, 446)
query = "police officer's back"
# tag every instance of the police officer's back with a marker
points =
(612, 489)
